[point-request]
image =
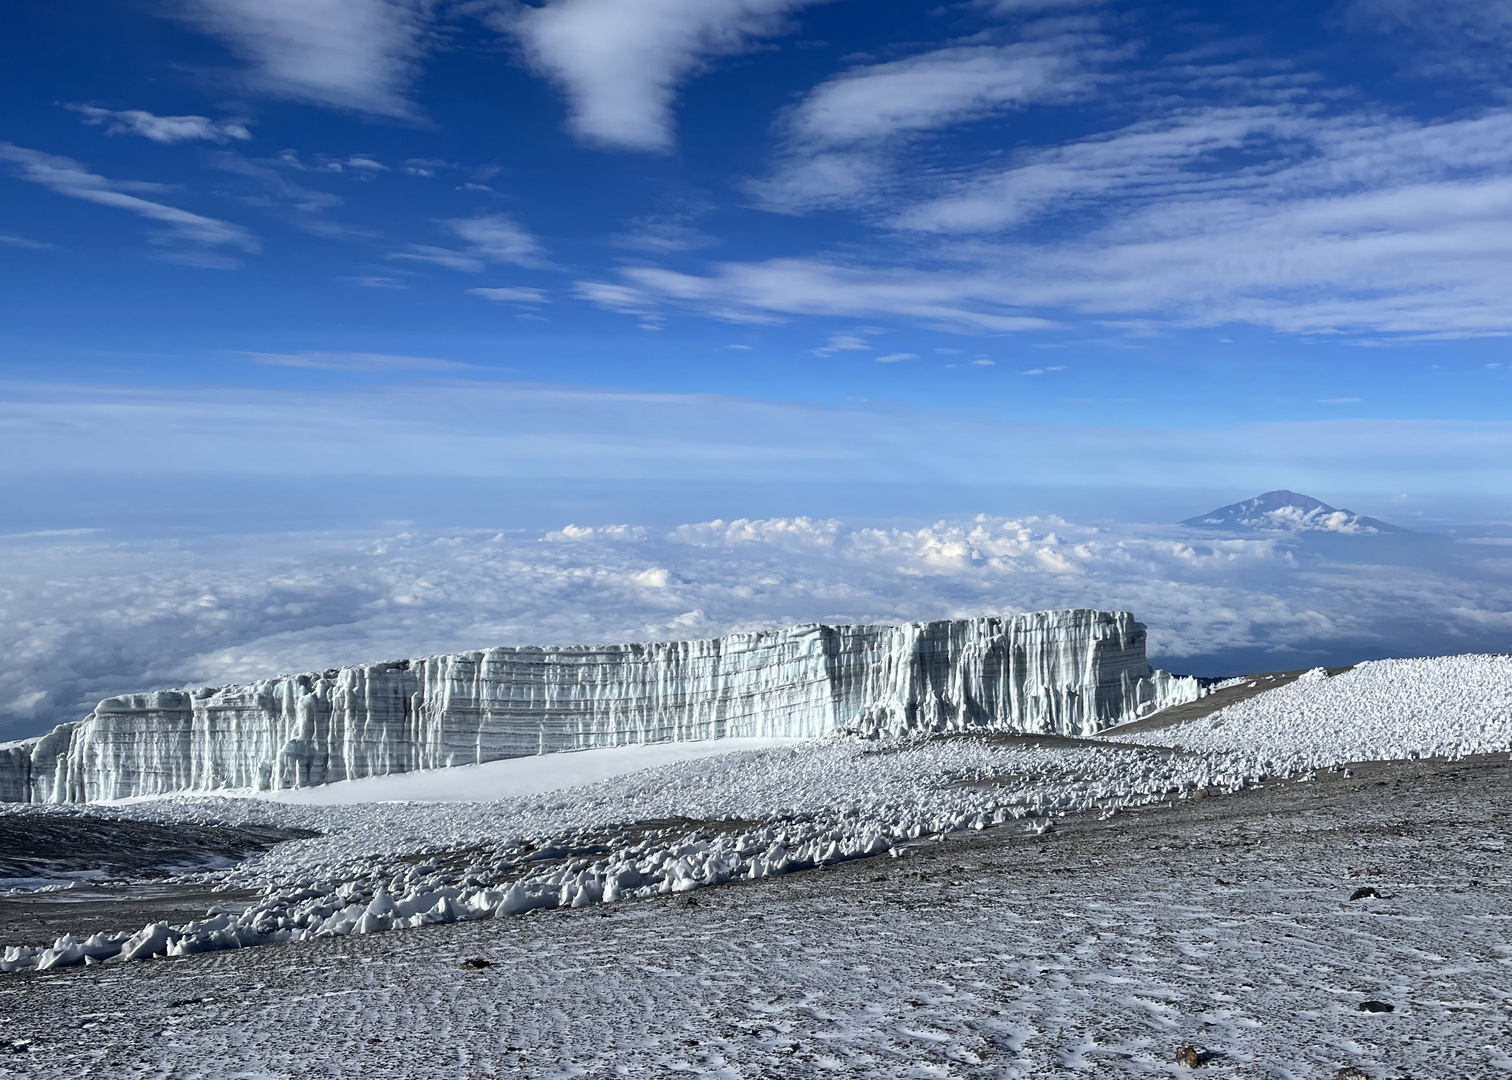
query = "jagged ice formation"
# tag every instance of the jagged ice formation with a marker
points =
(1062, 672)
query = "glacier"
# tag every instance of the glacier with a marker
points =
(1070, 672)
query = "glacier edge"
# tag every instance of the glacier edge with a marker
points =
(1070, 672)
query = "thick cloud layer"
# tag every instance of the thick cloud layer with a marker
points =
(80, 619)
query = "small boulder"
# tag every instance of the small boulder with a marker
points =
(476, 963)
(1364, 893)
(1188, 1057)
(1377, 1007)
(1351, 1072)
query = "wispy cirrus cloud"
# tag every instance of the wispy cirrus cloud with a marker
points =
(843, 141)
(1460, 39)
(354, 361)
(352, 54)
(512, 295)
(23, 242)
(620, 62)
(190, 237)
(162, 129)
(777, 289)
(491, 238)
(1281, 211)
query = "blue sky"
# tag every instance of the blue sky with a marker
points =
(764, 241)
(332, 329)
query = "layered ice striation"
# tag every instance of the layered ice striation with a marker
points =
(1063, 672)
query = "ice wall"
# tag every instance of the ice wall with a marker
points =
(1064, 672)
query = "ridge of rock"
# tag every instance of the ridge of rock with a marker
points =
(1063, 672)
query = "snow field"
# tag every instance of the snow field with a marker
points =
(505, 779)
(1380, 710)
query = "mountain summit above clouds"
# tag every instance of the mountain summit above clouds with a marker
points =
(1286, 511)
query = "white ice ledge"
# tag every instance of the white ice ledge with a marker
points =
(1063, 672)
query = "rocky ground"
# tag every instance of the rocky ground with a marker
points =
(1251, 934)
(132, 861)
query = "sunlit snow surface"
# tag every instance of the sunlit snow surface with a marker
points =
(510, 778)
(1442, 707)
(754, 813)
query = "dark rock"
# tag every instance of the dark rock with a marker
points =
(1189, 1056)
(1377, 1007)
(1351, 1072)
(1364, 893)
(477, 963)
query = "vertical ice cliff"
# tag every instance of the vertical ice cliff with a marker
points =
(1065, 672)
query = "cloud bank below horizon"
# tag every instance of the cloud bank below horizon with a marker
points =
(85, 618)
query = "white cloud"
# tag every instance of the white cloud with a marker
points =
(766, 291)
(940, 88)
(845, 138)
(1335, 224)
(498, 238)
(440, 256)
(22, 242)
(491, 238)
(615, 297)
(621, 61)
(353, 54)
(89, 617)
(514, 295)
(67, 177)
(1464, 39)
(842, 343)
(354, 361)
(893, 358)
(662, 234)
(1150, 161)
(375, 281)
(162, 129)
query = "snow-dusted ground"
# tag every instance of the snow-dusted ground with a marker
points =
(993, 967)
(747, 814)
(1095, 950)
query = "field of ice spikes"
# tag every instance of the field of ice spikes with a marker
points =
(759, 813)
(747, 815)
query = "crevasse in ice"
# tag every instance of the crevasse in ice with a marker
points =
(1064, 672)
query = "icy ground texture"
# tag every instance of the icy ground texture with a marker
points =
(746, 815)
(763, 813)
(1093, 951)
(1069, 672)
(1442, 707)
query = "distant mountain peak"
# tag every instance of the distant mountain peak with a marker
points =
(1288, 511)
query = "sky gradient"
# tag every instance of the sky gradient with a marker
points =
(282, 281)
(792, 223)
